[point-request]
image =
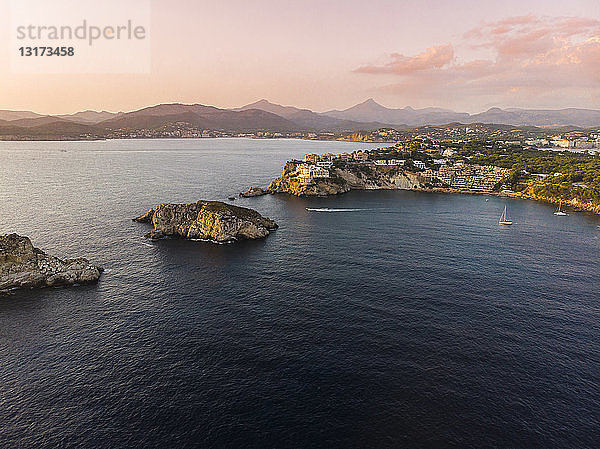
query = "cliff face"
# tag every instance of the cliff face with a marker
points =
(24, 266)
(206, 220)
(359, 177)
(345, 178)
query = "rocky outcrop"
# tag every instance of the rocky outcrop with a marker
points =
(252, 192)
(206, 220)
(368, 177)
(344, 178)
(24, 266)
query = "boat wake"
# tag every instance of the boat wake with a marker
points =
(327, 209)
(227, 242)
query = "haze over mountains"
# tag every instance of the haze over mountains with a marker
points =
(202, 117)
(266, 116)
(373, 111)
(310, 120)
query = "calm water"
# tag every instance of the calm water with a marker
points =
(410, 320)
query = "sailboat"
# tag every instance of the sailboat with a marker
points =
(504, 219)
(559, 211)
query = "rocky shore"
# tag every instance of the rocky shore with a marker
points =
(528, 194)
(362, 177)
(206, 220)
(572, 203)
(346, 177)
(23, 266)
(252, 192)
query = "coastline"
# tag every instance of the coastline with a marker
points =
(99, 139)
(575, 205)
(317, 175)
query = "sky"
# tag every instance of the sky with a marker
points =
(463, 55)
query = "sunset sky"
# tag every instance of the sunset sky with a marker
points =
(463, 55)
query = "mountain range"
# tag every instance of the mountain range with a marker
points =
(309, 120)
(370, 110)
(266, 116)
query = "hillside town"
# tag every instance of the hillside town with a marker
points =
(437, 172)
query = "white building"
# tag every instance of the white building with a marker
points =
(562, 143)
(536, 142)
(311, 157)
(419, 164)
(449, 152)
(308, 172)
(361, 156)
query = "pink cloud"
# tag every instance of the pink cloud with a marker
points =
(432, 58)
(501, 29)
(518, 20)
(533, 56)
(530, 37)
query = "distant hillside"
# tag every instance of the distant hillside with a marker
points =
(585, 118)
(266, 116)
(204, 117)
(265, 105)
(56, 130)
(90, 117)
(37, 121)
(17, 115)
(312, 121)
(370, 110)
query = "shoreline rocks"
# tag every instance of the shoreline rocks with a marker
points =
(347, 177)
(253, 191)
(206, 220)
(23, 266)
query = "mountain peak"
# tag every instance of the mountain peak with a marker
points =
(369, 105)
(370, 102)
(262, 103)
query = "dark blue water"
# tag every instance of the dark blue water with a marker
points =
(412, 320)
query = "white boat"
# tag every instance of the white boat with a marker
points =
(559, 211)
(504, 219)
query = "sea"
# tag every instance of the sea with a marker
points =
(370, 319)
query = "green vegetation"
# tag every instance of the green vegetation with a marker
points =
(548, 175)
(409, 152)
(224, 208)
(552, 175)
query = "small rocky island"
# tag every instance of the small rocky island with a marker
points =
(206, 220)
(252, 192)
(24, 266)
